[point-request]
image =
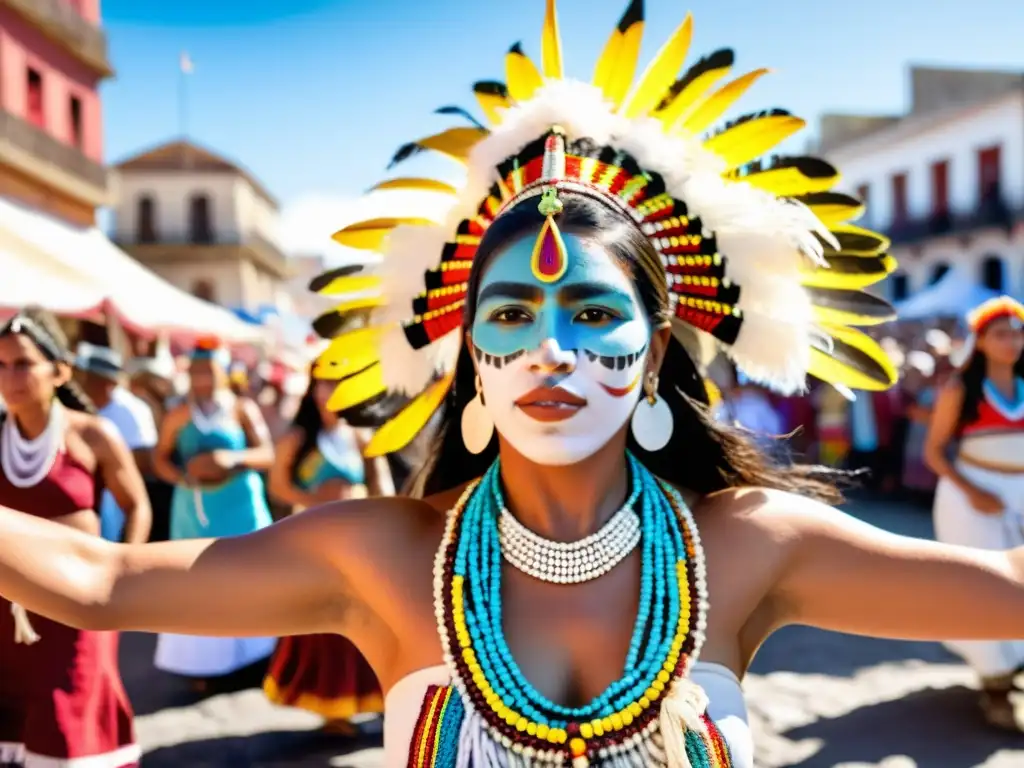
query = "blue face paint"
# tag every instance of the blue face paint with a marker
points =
(593, 308)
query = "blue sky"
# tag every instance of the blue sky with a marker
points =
(315, 95)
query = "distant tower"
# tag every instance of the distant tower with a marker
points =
(203, 223)
(53, 56)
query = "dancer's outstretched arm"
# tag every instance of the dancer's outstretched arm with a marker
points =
(282, 580)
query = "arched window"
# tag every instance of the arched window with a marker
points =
(203, 289)
(900, 286)
(199, 225)
(992, 273)
(146, 224)
(938, 272)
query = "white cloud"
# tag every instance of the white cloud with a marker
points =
(308, 222)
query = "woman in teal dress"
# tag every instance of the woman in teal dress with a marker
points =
(212, 448)
(320, 460)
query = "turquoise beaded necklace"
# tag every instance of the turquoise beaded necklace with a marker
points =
(667, 634)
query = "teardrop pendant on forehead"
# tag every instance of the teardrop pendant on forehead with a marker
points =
(550, 258)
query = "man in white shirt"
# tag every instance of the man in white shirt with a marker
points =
(98, 371)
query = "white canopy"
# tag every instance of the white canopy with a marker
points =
(84, 262)
(31, 276)
(955, 294)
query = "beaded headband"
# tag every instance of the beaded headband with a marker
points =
(979, 318)
(994, 309)
(758, 255)
(23, 324)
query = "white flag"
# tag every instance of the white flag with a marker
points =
(186, 63)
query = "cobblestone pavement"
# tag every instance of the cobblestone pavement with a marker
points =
(816, 699)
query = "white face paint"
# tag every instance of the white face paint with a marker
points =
(561, 364)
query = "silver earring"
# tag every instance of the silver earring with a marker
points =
(477, 425)
(652, 422)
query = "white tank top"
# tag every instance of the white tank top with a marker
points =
(726, 707)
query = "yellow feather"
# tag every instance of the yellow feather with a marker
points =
(357, 389)
(834, 214)
(750, 139)
(399, 431)
(683, 104)
(858, 241)
(551, 44)
(715, 105)
(820, 277)
(348, 353)
(835, 371)
(521, 75)
(787, 181)
(370, 235)
(493, 105)
(362, 302)
(340, 286)
(427, 185)
(616, 66)
(456, 143)
(660, 73)
(834, 316)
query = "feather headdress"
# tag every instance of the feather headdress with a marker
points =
(760, 259)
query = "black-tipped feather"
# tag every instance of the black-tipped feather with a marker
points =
(856, 265)
(634, 14)
(852, 302)
(328, 325)
(491, 88)
(723, 57)
(856, 359)
(865, 242)
(404, 153)
(752, 116)
(811, 167)
(829, 198)
(460, 112)
(324, 279)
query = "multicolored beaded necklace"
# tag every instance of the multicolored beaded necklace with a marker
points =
(492, 716)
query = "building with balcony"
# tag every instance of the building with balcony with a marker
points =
(203, 223)
(945, 181)
(53, 56)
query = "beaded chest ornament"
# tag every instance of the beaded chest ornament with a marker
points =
(493, 716)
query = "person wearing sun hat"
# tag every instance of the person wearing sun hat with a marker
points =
(100, 372)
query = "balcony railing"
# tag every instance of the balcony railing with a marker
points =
(992, 212)
(62, 22)
(26, 137)
(264, 251)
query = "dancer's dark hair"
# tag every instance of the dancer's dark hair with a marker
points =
(703, 455)
(45, 332)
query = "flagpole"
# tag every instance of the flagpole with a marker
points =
(183, 71)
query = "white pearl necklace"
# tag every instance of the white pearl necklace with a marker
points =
(26, 462)
(574, 562)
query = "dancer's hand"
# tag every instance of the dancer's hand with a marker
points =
(985, 502)
(208, 468)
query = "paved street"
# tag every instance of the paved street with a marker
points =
(817, 700)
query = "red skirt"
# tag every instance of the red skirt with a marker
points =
(325, 674)
(62, 702)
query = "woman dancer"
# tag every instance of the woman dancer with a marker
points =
(61, 697)
(580, 602)
(223, 443)
(317, 462)
(979, 501)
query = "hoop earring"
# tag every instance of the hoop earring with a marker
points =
(477, 425)
(652, 422)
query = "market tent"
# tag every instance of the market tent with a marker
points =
(31, 276)
(143, 301)
(955, 294)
